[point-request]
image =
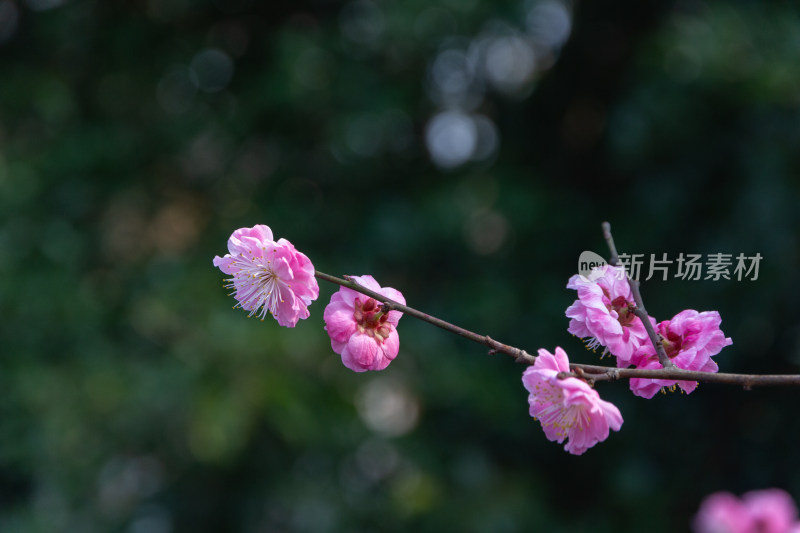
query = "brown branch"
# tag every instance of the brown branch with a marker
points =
(591, 373)
(604, 373)
(614, 259)
(520, 356)
(639, 310)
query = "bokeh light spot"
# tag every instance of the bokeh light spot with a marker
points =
(388, 407)
(509, 63)
(212, 70)
(9, 17)
(452, 72)
(486, 231)
(451, 137)
(43, 5)
(549, 23)
(488, 138)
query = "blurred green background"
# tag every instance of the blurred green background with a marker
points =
(462, 151)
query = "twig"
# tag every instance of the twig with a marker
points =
(614, 259)
(604, 373)
(520, 356)
(591, 373)
(639, 310)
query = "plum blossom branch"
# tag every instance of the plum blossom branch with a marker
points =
(270, 277)
(639, 310)
(590, 373)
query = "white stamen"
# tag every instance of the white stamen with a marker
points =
(257, 286)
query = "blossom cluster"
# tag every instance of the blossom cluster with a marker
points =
(759, 511)
(272, 277)
(603, 315)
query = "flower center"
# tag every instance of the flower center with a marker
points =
(672, 343)
(257, 287)
(371, 319)
(622, 307)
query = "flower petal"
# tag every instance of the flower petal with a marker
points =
(360, 353)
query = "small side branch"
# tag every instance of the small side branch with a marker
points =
(614, 259)
(639, 310)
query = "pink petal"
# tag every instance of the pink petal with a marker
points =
(337, 346)
(249, 239)
(226, 264)
(288, 309)
(261, 232)
(367, 282)
(721, 512)
(562, 361)
(546, 361)
(391, 346)
(339, 322)
(770, 510)
(578, 328)
(611, 414)
(349, 296)
(280, 265)
(360, 353)
(393, 294)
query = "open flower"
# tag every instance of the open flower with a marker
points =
(758, 511)
(360, 331)
(567, 408)
(602, 312)
(268, 276)
(690, 339)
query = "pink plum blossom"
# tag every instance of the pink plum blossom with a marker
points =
(721, 512)
(690, 340)
(759, 511)
(602, 313)
(360, 331)
(268, 276)
(567, 408)
(770, 510)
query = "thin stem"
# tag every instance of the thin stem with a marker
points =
(520, 356)
(639, 310)
(604, 373)
(614, 259)
(590, 373)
